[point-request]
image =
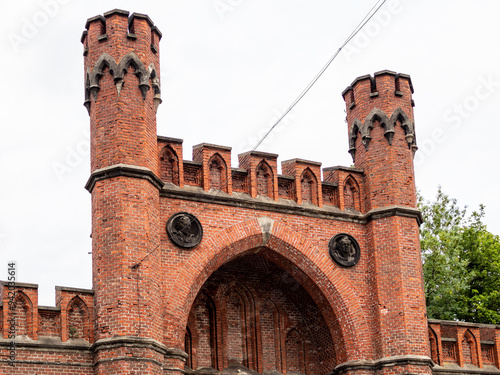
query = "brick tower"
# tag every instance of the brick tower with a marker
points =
(382, 144)
(122, 93)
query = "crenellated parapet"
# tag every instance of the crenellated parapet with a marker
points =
(307, 179)
(122, 88)
(169, 167)
(459, 345)
(256, 177)
(215, 164)
(71, 319)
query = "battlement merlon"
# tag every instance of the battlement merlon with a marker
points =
(116, 25)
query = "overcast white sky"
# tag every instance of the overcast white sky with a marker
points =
(228, 68)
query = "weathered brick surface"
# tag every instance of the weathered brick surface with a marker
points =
(260, 291)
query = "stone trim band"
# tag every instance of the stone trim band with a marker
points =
(126, 170)
(402, 360)
(136, 342)
(48, 363)
(289, 207)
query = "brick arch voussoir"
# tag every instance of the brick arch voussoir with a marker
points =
(242, 237)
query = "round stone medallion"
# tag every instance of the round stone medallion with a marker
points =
(344, 250)
(184, 230)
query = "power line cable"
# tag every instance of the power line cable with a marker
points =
(358, 28)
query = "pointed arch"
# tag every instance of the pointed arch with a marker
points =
(203, 332)
(270, 337)
(169, 165)
(265, 179)
(217, 172)
(406, 124)
(78, 319)
(375, 115)
(132, 60)
(309, 187)
(434, 346)
(469, 348)
(351, 193)
(325, 284)
(23, 314)
(235, 328)
(238, 331)
(104, 61)
(353, 135)
(295, 349)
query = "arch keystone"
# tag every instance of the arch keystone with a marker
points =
(266, 224)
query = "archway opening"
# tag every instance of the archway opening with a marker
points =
(252, 313)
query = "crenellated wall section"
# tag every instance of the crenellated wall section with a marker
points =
(302, 183)
(464, 346)
(66, 331)
(47, 339)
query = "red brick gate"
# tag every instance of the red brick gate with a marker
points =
(200, 267)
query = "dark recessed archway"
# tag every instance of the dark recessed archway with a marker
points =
(253, 312)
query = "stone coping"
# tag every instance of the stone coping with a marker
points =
(287, 206)
(169, 139)
(463, 324)
(301, 161)
(20, 285)
(400, 360)
(74, 290)
(342, 168)
(211, 145)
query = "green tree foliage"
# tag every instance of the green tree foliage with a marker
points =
(461, 261)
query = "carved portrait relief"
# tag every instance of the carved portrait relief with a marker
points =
(184, 230)
(344, 250)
